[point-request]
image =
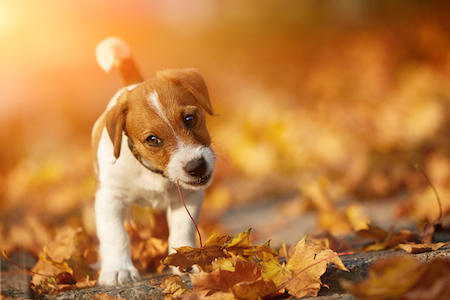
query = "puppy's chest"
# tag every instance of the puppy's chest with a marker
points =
(150, 189)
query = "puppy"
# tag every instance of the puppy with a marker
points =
(152, 136)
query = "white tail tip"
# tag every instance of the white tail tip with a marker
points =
(111, 52)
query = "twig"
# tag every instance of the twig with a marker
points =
(20, 267)
(193, 221)
(434, 190)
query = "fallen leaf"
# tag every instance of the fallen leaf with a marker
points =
(174, 287)
(146, 252)
(245, 282)
(257, 289)
(64, 263)
(240, 245)
(223, 280)
(215, 247)
(186, 257)
(420, 248)
(385, 239)
(203, 295)
(402, 236)
(373, 232)
(307, 265)
(273, 270)
(403, 278)
(434, 283)
(105, 296)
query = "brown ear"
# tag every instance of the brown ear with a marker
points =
(115, 122)
(191, 79)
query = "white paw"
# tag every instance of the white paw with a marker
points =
(119, 276)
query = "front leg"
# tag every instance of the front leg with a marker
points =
(116, 264)
(181, 228)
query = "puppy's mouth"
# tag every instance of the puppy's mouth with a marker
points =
(200, 182)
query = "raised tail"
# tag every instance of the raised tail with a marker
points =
(114, 52)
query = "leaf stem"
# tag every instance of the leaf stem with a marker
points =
(193, 221)
(434, 190)
(20, 267)
(312, 265)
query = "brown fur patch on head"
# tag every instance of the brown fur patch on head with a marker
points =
(115, 121)
(193, 81)
(177, 96)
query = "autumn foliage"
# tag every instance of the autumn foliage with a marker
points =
(234, 269)
(333, 108)
(404, 278)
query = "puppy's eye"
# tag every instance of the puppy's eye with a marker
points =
(153, 140)
(190, 120)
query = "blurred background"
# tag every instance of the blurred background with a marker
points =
(336, 99)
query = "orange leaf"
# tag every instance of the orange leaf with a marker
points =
(307, 265)
(174, 287)
(68, 249)
(420, 248)
(186, 257)
(373, 232)
(240, 245)
(403, 278)
(105, 296)
(214, 248)
(245, 281)
(388, 279)
(222, 280)
(257, 289)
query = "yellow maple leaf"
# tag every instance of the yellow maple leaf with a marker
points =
(174, 287)
(240, 245)
(245, 282)
(186, 257)
(216, 247)
(271, 269)
(63, 264)
(307, 265)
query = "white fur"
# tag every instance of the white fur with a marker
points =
(185, 154)
(153, 101)
(110, 52)
(125, 181)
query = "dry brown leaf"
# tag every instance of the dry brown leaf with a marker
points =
(245, 282)
(373, 232)
(385, 239)
(222, 280)
(146, 252)
(402, 236)
(64, 263)
(215, 247)
(174, 287)
(403, 278)
(257, 289)
(307, 265)
(420, 248)
(434, 283)
(104, 296)
(388, 279)
(203, 295)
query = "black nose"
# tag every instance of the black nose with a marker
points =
(196, 167)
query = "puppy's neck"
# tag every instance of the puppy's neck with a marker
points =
(142, 160)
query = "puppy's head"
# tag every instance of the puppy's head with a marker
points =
(164, 117)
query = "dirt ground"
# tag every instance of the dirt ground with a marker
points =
(14, 283)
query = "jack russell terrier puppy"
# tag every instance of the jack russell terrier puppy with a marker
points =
(152, 136)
